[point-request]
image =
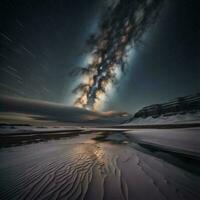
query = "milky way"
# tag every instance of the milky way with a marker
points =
(121, 28)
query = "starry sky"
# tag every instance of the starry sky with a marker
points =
(42, 41)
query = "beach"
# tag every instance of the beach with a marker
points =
(95, 165)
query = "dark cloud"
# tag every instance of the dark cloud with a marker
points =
(58, 112)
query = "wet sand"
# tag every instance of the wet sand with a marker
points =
(94, 165)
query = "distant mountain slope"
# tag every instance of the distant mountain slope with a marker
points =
(181, 110)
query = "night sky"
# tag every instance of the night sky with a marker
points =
(42, 41)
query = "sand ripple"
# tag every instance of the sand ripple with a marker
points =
(58, 170)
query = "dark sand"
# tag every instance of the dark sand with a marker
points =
(94, 165)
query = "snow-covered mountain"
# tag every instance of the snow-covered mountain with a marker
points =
(181, 110)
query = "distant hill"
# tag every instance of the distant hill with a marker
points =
(182, 109)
